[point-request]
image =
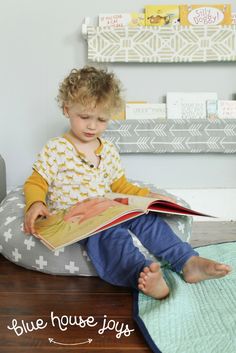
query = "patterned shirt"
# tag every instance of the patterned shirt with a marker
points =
(71, 177)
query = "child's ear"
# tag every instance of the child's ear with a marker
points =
(65, 111)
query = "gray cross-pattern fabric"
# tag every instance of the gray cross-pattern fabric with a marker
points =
(28, 251)
(173, 136)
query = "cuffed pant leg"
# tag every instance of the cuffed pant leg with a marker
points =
(157, 236)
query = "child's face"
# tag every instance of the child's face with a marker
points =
(86, 124)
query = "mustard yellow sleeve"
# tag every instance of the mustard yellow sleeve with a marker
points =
(122, 186)
(35, 189)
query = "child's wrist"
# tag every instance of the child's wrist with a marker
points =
(35, 203)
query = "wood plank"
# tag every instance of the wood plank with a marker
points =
(70, 335)
(38, 282)
(204, 233)
(69, 304)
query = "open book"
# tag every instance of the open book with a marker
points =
(93, 215)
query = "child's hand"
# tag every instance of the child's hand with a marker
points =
(36, 209)
(161, 197)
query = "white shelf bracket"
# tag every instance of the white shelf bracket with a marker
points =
(85, 27)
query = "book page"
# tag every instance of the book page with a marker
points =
(139, 202)
(82, 219)
(155, 205)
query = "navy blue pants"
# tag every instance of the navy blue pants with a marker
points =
(118, 261)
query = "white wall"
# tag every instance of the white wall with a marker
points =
(41, 42)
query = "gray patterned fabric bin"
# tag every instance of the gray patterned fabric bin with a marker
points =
(27, 251)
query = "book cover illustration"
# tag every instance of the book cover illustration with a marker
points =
(92, 215)
(119, 115)
(195, 15)
(227, 109)
(133, 19)
(212, 109)
(222, 109)
(161, 15)
(188, 105)
(136, 19)
(143, 111)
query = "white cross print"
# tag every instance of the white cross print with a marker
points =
(21, 205)
(13, 198)
(57, 252)
(8, 235)
(40, 261)
(22, 227)
(9, 220)
(181, 226)
(16, 255)
(71, 267)
(29, 243)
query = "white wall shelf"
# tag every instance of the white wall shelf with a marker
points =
(173, 136)
(171, 44)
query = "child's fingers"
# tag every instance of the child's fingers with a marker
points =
(45, 212)
(31, 227)
(26, 228)
(31, 224)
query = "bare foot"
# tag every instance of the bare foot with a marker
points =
(199, 269)
(152, 283)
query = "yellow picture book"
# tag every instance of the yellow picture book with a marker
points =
(195, 15)
(136, 19)
(93, 215)
(119, 116)
(161, 15)
(122, 114)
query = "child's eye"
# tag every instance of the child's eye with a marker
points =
(102, 120)
(83, 116)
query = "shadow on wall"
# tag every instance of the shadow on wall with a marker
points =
(2, 179)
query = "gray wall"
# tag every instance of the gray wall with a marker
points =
(41, 41)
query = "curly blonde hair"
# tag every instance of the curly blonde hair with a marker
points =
(91, 87)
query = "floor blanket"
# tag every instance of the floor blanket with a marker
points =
(195, 318)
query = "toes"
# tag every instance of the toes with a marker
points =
(141, 287)
(223, 268)
(154, 267)
(142, 275)
(141, 281)
(146, 269)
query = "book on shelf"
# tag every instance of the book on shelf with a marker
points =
(195, 15)
(222, 109)
(145, 111)
(119, 115)
(233, 18)
(226, 109)
(133, 19)
(93, 215)
(161, 15)
(212, 109)
(137, 19)
(188, 105)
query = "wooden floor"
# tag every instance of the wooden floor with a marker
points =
(31, 302)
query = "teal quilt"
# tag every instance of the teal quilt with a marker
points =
(195, 318)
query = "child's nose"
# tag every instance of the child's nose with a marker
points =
(92, 125)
